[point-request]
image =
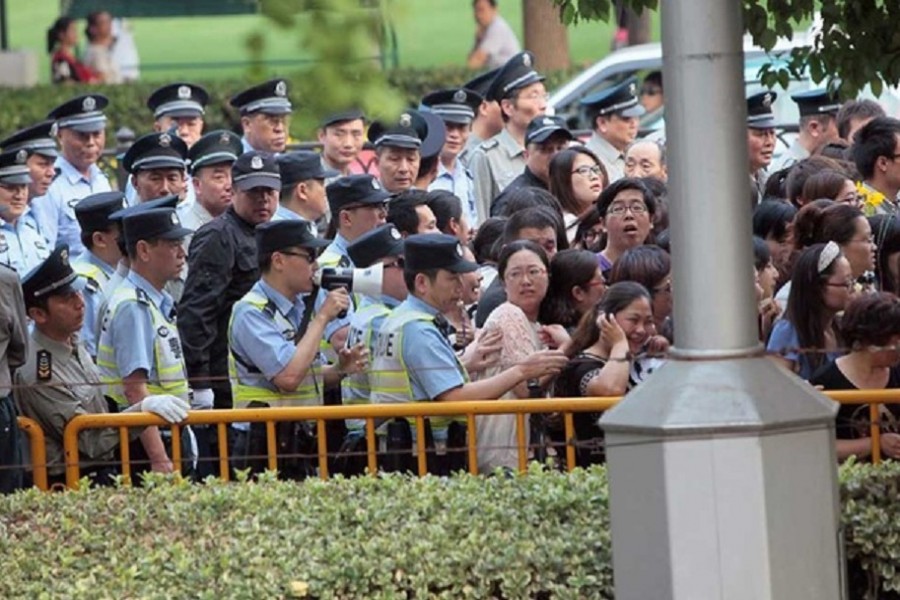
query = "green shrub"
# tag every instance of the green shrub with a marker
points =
(128, 102)
(540, 536)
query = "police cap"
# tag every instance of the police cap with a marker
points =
(178, 100)
(517, 73)
(84, 113)
(407, 131)
(457, 105)
(381, 242)
(51, 277)
(815, 102)
(435, 135)
(154, 224)
(353, 114)
(354, 190)
(759, 110)
(482, 83)
(302, 165)
(215, 147)
(170, 201)
(269, 98)
(426, 251)
(93, 212)
(37, 139)
(155, 151)
(619, 100)
(543, 127)
(274, 236)
(256, 169)
(13, 170)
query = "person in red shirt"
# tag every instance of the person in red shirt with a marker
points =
(62, 38)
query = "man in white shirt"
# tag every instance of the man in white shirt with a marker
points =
(495, 42)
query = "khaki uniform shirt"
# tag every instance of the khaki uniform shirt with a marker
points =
(612, 159)
(13, 327)
(494, 164)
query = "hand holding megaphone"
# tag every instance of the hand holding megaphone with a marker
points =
(336, 303)
(366, 281)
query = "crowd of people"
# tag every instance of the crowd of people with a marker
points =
(494, 256)
(109, 57)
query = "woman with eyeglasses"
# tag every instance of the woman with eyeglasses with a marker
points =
(650, 266)
(832, 185)
(576, 179)
(626, 210)
(577, 287)
(808, 333)
(589, 233)
(523, 269)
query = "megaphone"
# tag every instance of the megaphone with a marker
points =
(366, 282)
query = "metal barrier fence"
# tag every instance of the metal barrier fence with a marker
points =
(38, 445)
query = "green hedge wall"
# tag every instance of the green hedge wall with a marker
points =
(128, 102)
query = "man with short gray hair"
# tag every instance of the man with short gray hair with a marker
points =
(646, 158)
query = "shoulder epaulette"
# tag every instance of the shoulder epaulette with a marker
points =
(91, 285)
(270, 308)
(141, 296)
(489, 143)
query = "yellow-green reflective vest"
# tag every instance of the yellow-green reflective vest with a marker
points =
(356, 388)
(252, 385)
(168, 359)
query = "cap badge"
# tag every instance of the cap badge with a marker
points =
(405, 120)
(174, 218)
(459, 251)
(767, 100)
(21, 156)
(281, 88)
(632, 89)
(312, 229)
(54, 129)
(459, 96)
(395, 233)
(548, 121)
(165, 140)
(64, 257)
(526, 60)
(375, 185)
(88, 104)
(184, 92)
(256, 162)
(224, 139)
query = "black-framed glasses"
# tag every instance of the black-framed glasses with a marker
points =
(310, 258)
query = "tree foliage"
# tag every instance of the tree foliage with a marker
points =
(856, 41)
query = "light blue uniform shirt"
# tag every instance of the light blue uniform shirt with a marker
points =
(337, 246)
(460, 183)
(21, 246)
(55, 212)
(131, 330)
(285, 214)
(432, 366)
(94, 295)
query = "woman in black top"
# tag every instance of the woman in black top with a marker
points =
(871, 328)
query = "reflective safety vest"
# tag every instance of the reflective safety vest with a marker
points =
(356, 387)
(389, 378)
(95, 276)
(168, 359)
(253, 386)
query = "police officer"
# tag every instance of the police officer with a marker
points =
(179, 106)
(487, 121)
(614, 117)
(397, 147)
(382, 250)
(430, 150)
(545, 137)
(456, 107)
(265, 110)
(59, 381)
(38, 141)
(222, 267)
(520, 92)
(342, 136)
(13, 353)
(81, 131)
(21, 246)
(156, 162)
(138, 351)
(303, 186)
(818, 126)
(760, 138)
(358, 204)
(274, 338)
(97, 264)
(413, 359)
(210, 160)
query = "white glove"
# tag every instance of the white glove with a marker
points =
(171, 408)
(201, 399)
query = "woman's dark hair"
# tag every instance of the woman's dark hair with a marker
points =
(620, 185)
(772, 218)
(816, 224)
(647, 265)
(660, 192)
(664, 240)
(517, 246)
(827, 183)
(775, 185)
(761, 253)
(488, 234)
(59, 26)
(445, 206)
(806, 304)
(568, 269)
(871, 320)
(617, 298)
(531, 197)
(886, 230)
(561, 176)
(536, 217)
(835, 149)
(802, 171)
(586, 222)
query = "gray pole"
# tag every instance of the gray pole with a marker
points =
(723, 479)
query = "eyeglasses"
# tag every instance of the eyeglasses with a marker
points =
(587, 171)
(398, 264)
(305, 255)
(532, 273)
(592, 234)
(638, 208)
(665, 288)
(847, 285)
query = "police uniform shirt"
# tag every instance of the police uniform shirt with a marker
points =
(431, 365)
(58, 383)
(56, 211)
(494, 165)
(794, 154)
(97, 273)
(21, 246)
(460, 183)
(282, 213)
(609, 155)
(13, 327)
(471, 144)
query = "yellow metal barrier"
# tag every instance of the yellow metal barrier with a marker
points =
(38, 444)
(371, 412)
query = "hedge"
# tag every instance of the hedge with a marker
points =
(22, 107)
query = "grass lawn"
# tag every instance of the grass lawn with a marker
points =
(429, 32)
